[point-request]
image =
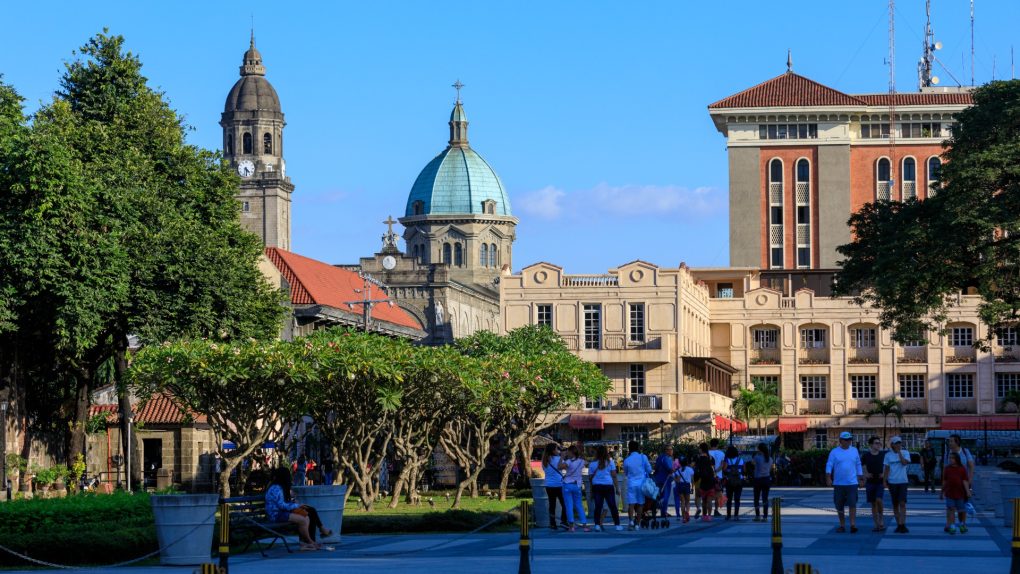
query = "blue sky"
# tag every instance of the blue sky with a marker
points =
(592, 113)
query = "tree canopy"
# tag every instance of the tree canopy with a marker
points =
(910, 259)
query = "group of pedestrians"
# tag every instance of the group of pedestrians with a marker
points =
(880, 470)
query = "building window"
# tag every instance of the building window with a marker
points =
(230, 144)
(776, 230)
(418, 208)
(267, 143)
(245, 206)
(246, 142)
(637, 381)
(447, 253)
(921, 130)
(483, 257)
(1006, 336)
(821, 438)
(960, 386)
(813, 387)
(637, 322)
(724, 290)
(862, 386)
(458, 255)
(489, 207)
(493, 262)
(875, 131)
(803, 197)
(934, 174)
(812, 338)
(1006, 383)
(787, 131)
(633, 432)
(593, 326)
(961, 337)
(883, 179)
(544, 315)
(912, 386)
(909, 185)
(765, 338)
(862, 338)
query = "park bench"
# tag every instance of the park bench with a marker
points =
(248, 519)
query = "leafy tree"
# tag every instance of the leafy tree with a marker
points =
(910, 259)
(760, 403)
(885, 408)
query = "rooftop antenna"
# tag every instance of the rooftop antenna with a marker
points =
(789, 60)
(1012, 69)
(971, 42)
(892, 47)
(925, 79)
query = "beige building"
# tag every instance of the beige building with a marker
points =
(678, 343)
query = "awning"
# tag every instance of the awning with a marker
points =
(792, 425)
(980, 423)
(586, 421)
(727, 424)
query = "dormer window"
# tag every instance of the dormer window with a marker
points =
(418, 207)
(489, 207)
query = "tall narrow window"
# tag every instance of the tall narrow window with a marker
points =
(418, 207)
(776, 230)
(267, 143)
(883, 179)
(447, 253)
(960, 386)
(637, 322)
(765, 338)
(909, 189)
(483, 257)
(493, 261)
(544, 315)
(593, 326)
(458, 255)
(637, 381)
(803, 213)
(246, 143)
(230, 144)
(934, 174)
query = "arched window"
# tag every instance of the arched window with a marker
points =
(909, 185)
(267, 143)
(246, 143)
(446, 253)
(483, 258)
(776, 229)
(883, 179)
(803, 213)
(418, 208)
(934, 174)
(230, 144)
(492, 255)
(458, 255)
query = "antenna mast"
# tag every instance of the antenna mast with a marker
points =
(924, 67)
(892, 47)
(892, 99)
(971, 42)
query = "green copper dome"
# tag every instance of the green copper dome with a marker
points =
(457, 181)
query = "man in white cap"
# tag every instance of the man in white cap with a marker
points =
(895, 476)
(844, 474)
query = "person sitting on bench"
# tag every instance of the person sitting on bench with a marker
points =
(281, 507)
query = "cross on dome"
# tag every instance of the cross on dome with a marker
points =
(457, 85)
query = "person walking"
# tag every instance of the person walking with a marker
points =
(603, 486)
(554, 483)
(762, 481)
(637, 468)
(928, 463)
(967, 460)
(717, 459)
(683, 478)
(663, 468)
(955, 491)
(704, 470)
(574, 465)
(874, 484)
(733, 473)
(895, 478)
(844, 474)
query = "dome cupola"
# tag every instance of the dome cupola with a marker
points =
(252, 92)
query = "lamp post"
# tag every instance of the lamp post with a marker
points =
(662, 434)
(3, 441)
(367, 301)
(128, 453)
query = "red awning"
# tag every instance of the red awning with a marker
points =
(727, 424)
(586, 421)
(978, 423)
(792, 425)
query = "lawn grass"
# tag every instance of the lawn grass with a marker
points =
(435, 517)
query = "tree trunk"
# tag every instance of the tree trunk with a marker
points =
(76, 444)
(123, 396)
(398, 486)
(229, 464)
(505, 477)
(470, 482)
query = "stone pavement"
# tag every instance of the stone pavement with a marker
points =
(809, 523)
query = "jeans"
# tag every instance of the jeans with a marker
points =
(733, 491)
(929, 476)
(761, 491)
(572, 494)
(605, 494)
(555, 493)
(664, 503)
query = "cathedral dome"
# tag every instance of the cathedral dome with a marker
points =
(252, 92)
(458, 180)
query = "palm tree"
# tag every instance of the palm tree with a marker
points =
(886, 408)
(759, 403)
(745, 404)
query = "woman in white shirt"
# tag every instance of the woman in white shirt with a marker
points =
(574, 465)
(603, 486)
(554, 483)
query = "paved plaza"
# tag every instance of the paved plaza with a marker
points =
(809, 535)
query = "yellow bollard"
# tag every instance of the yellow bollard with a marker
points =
(224, 537)
(525, 543)
(1014, 565)
(777, 537)
(209, 569)
(803, 569)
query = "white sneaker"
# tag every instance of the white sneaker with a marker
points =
(619, 527)
(597, 528)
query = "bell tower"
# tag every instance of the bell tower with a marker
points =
(253, 123)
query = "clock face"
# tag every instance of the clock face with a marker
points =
(389, 262)
(246, 168)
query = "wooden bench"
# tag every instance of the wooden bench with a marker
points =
(248, 516)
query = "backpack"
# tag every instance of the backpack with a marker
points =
(733, 471)
(704, 470)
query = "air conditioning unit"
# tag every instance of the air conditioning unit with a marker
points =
(647, 402)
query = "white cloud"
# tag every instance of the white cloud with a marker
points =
(552, 202)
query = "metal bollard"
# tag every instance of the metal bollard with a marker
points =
(804, 569)
(525, 542)
(777, 537)
(209, 569)
(224, 537)
(1014, 564)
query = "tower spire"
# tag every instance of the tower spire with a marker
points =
(458, 121)
(251, 65)
(789, 60)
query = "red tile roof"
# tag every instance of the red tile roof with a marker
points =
(316, 283)
(158, 410)
(793, 90)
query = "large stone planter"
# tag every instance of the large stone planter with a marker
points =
(184, 527)
(540, 503)
(328, 500)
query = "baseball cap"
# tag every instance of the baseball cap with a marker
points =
(845, 435)
(895, 440)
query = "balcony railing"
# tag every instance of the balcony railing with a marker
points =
(883, 191)
(966, 354)
(862, 355)
(1006, 353)
(641, 402)
(908, 355)
(589, 281)
(813, 356)
(766, 357)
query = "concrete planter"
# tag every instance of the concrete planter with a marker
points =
(184, 527)
(540, 503)
(328, 501)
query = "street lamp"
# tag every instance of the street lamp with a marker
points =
(3, 441)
